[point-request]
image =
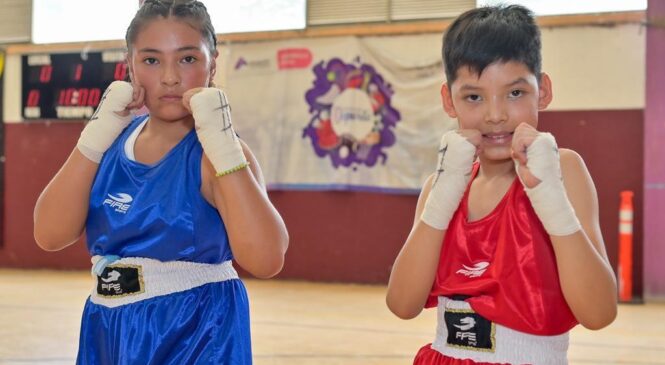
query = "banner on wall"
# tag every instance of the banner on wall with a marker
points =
(339, 113)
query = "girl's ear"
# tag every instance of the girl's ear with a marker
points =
(213, 69)
(130, 77)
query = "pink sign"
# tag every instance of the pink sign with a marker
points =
(289, 58)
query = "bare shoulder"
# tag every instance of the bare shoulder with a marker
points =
(583, 196)
(424, 193)
(576, 178)
(569, 155)
(427, 187)
(572, 164)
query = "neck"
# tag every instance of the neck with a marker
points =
(497, 169)
(172, 131)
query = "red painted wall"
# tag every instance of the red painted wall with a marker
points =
(335, 236)
(612, 145)
(34, 153)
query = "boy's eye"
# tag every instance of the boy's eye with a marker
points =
(189, 59)
(150, 61)
(473, 97)
(516, 93)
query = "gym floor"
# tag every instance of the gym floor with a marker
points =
(295, 323)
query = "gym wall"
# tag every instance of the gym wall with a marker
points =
(598, 77)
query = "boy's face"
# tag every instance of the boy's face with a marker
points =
(505, 95)
(168, 58)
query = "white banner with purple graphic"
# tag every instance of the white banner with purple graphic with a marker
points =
(339, 113)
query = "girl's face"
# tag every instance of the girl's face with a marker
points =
(168, 58)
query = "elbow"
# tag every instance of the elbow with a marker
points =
(47, 244)
(273, 264)
(267, 271)
(268, 268)
(601, 320)
(402, 310)
(50, 242)
(262, 261)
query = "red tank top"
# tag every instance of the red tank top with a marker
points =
(505, 263)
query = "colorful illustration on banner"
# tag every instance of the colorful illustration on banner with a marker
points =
(352, 120)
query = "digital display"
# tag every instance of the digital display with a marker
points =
(68, 85)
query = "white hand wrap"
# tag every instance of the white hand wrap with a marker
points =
(456, 156)
(549, 198)
(212, 118)
(105, 125)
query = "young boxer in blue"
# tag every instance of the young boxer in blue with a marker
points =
(166, 201)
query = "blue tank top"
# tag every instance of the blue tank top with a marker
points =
(154, 211)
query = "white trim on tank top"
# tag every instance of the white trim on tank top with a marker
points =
(131, 140)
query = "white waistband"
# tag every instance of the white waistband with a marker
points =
(160, 278)
(510, 346)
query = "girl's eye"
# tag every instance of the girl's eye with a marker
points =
(150, 61)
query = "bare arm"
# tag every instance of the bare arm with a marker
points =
(586, 276)
(62, 208)
(257, 233)
(415, 267)
(414, 270)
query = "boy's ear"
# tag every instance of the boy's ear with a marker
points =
(544, 91)
(447, 101)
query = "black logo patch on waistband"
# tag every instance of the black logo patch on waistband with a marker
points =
(469, 330)
(117, 281)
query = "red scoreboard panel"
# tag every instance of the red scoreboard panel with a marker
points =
(68, 85)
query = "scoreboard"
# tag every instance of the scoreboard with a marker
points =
(68, 85)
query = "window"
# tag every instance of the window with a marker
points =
(57, 21)
(233, 16)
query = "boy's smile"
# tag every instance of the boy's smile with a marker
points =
(497, 138)
(495, 102)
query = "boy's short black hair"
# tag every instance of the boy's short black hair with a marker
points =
(485, 35)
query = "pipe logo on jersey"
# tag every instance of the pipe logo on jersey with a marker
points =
(351, 117)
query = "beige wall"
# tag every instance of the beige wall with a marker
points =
(596, 67)
(592, 68)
